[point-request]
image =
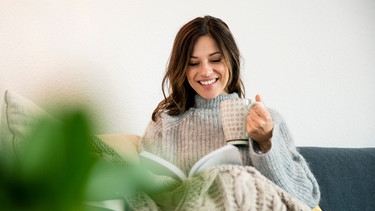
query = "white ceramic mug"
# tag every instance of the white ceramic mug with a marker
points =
(233, 118)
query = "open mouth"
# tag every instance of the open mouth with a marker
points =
(209, 82)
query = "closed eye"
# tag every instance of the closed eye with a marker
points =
(193, 64)
(216, 60)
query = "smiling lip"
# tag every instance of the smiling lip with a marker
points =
(208, 82)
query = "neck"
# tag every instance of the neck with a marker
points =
(201, 102)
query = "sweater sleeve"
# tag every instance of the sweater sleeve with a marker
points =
(285, 166)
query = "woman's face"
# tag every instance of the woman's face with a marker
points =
(207, 73)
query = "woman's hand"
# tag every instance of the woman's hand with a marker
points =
(259, 125)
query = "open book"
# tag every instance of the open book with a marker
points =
(227, 154)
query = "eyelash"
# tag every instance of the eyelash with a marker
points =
(197, 63)
(193, 64)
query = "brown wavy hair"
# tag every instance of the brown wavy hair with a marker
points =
(181, 95)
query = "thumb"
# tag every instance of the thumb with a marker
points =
(258, 98)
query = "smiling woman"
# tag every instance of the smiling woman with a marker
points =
(203, 71)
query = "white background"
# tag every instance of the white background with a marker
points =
(313, 61)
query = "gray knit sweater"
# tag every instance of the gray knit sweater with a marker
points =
(184, 139)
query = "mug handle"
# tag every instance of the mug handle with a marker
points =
(251, 105)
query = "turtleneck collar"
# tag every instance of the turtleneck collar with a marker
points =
(203, 103)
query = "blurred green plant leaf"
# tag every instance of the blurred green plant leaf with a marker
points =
(52, 166)
(57, 169)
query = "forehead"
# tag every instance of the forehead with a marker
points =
(205, 46)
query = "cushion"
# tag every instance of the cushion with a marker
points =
(18, 116)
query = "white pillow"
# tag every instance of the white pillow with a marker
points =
(18, 116)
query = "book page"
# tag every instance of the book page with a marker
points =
(160, 166)
(228, 154)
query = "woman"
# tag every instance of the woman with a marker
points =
(203, 70)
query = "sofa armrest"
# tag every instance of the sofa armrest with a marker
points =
(125, 145)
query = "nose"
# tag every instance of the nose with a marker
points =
(206, 69)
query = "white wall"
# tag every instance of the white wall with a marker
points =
(313, 61)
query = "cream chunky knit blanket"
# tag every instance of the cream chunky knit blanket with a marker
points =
(225, 187)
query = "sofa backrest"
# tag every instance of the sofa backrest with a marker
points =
(346, 176)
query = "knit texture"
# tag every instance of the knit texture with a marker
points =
(102, 150)
(184, 139)
(226, 187)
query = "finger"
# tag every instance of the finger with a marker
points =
(257, 125)
(258, 98)
(253, 126)
(255, 112)
(260, 110)
(255, 121)
(258, 101)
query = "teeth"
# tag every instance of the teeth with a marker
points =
(208, 82)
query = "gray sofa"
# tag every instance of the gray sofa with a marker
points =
(346, 177)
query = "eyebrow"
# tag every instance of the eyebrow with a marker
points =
(214, 53)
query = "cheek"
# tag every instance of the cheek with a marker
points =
(225, 74)
(190, 76)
